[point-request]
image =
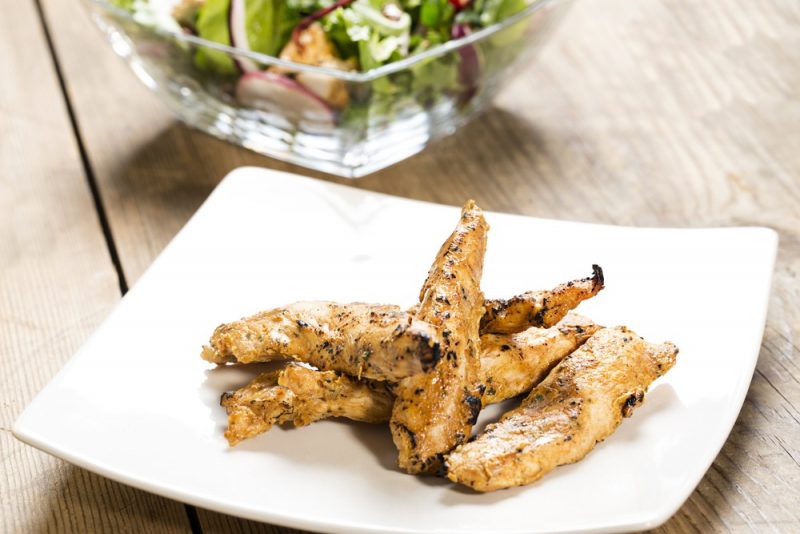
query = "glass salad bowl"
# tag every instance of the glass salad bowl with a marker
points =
(348, 123)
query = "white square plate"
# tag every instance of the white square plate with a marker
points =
(138, 405)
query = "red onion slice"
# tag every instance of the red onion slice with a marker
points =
(273, 92)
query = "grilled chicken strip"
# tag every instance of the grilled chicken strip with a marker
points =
(435, 411)
(379, 342)
(302, 395)
(580, 403)
(539, 308)
(510, 366)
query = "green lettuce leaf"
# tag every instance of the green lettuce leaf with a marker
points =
(212, 24)
(269, 24)
(436, 15)
(497, 10)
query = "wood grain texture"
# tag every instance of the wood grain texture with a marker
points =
(56, 284)
(640, 112)
(214, 523)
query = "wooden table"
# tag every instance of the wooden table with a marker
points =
(640, 112)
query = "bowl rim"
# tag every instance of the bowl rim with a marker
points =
(366, 76)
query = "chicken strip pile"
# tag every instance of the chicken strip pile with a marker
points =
(510, 365)
(435, 411)
(428, 371)
(580, 403)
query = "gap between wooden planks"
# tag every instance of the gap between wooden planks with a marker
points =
(56, 284)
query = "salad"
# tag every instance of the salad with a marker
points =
(344, 35)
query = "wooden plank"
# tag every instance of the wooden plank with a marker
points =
(56, 283)
(643, 112)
